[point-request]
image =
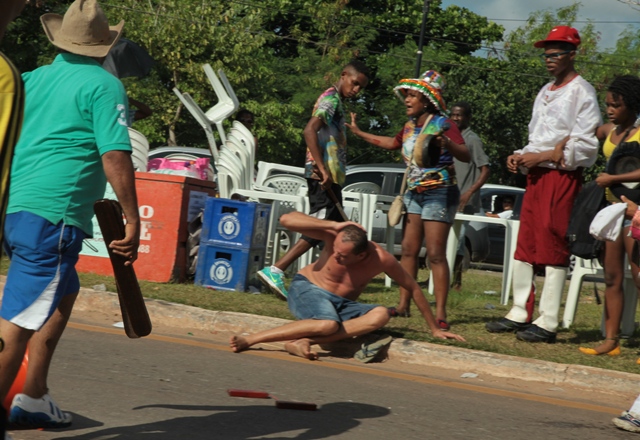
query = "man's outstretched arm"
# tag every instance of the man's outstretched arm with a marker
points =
(399, 275)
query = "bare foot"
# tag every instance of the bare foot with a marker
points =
(238, 344)
(302, 348)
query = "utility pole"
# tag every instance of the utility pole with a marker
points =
(425, 13)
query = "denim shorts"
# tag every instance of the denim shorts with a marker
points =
(308, 301)
(438, 204)
(42, 270)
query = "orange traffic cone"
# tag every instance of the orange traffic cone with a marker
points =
(18, 383)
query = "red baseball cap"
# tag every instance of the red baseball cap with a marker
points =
(560, 34)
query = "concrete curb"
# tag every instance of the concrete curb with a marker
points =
(404, 350)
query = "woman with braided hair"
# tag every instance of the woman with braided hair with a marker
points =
(623, 107)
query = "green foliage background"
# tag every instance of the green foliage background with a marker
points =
(280, 54)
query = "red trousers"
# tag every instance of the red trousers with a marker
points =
(544, 217)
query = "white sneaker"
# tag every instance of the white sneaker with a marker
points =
(38, 413)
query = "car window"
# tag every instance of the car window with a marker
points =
(365, 176)
(487, 202)
(398, 183)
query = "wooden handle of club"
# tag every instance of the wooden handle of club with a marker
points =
(338, 204)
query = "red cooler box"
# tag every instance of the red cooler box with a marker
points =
(167, 204)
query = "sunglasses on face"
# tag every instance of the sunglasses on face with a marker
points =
(554, 56)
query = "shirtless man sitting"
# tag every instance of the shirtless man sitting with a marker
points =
(322, 295)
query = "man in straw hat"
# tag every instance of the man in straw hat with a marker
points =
(562, 142)
(74, 139)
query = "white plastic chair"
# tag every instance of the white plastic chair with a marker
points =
(228, 181)
(238, 130)
(226, 105)
(267, 169)
(232, 140)
(248, 143)
(363, 187)
(591, 268)
(286, 184)
(244, 159)
(510, 240)
(139, 150)
(200, 116)
(231, 161)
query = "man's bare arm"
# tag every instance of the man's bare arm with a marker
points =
(402, 277)
(121, 175)
(319, 229)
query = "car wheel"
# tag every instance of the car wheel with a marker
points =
(285, 241)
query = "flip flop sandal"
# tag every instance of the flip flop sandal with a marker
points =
(368, 352)
(393, 312)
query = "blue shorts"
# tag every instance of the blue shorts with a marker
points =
(308, 301)
(42, 270)
(438, 204)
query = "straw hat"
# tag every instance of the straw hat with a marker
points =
(84, 29)
(430, 85)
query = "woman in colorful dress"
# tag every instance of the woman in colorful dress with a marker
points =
(428, 141)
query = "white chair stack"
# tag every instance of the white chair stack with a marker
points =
(140, 150)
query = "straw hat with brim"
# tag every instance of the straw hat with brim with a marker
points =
(625, 159)
(430, 85)
(83, 30)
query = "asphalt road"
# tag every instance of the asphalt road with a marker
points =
(165, 387)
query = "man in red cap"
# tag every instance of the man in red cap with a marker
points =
(562, 142)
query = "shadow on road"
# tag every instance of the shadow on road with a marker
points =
(244, 422)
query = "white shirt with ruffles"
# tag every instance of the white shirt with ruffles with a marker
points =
(571, 110)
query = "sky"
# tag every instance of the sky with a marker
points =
(607, 15)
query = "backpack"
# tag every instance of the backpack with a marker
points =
(590, 200)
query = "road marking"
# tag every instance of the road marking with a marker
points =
(280, 355)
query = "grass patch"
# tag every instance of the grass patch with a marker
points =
(468, 311)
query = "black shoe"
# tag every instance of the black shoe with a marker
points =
(506, 325)
(536, 334)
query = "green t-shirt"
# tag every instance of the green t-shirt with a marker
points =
(75, 111)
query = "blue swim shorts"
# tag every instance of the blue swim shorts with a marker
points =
(42, 270)
(438, 204)
(308, 301)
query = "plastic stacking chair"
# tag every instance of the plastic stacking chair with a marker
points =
(363, 187)
(200, 116)
(591, 268)
(227, 101)
(140, 150)
(268, 169)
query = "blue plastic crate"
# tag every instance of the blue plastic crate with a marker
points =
(228, 268)
(234, 223)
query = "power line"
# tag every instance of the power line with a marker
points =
(281, 37)
(575, 21)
